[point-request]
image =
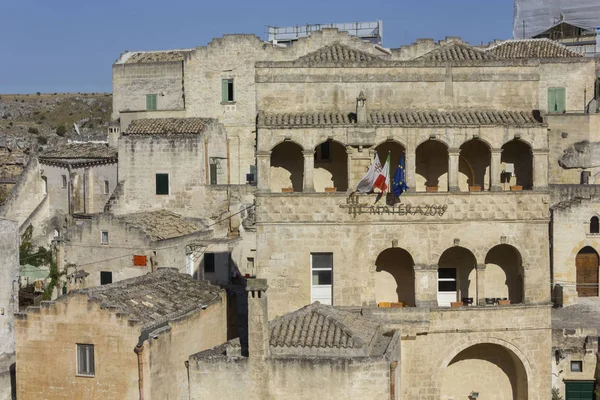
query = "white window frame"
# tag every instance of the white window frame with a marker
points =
(102, 241)
(106, 186)
(89, 372)
(579, 363)
(312, 269)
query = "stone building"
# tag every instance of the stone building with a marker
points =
(12, 162)
(9, 295)
(126, 340)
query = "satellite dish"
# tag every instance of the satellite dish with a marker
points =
(76, 129)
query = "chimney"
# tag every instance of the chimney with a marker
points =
(361, 109)
(258, 319)
(114, 132)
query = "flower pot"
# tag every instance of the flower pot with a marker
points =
(490, 301)
(516, 188)
(475, 188)
(457, 304)
(330, 189)
(384, 304)
(398, 304)
(503, 302)
(287, 190)
(431, 188)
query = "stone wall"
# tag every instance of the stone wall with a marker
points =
(573, 345)
(9, 287)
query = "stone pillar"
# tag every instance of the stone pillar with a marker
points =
(258, 319)
(349, 152)
(263, 170)
(453, 155)
(410, 168)
(540, 169)
(480, 284)
(527, 287)
(496, 170)
(426, 285)
(308, 185)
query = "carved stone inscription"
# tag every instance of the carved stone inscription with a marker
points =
(355, 208)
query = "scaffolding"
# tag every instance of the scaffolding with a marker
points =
(371, 31)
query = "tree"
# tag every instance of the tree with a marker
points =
(61, 130)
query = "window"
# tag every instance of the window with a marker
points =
(56, 233)
(213, 172)
(322, 277)
(227, 91)
(576, 366)
(85, 360)
(162, 183)
(106, 187)
(151, 102)
(324, 152)
(45, 183)
(104, 237)
(594, 225)
(556, 100)
(64, 181)
(105, 277)
(209, 262)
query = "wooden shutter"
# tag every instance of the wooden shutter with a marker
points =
(224, 90)
(561, 99)
(587, 274)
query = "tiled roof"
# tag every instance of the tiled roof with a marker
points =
(321, 326)
(456, 52)
(166, 126)
(532, 48)
(81, 151)
(160, 224)
(403, 118)
(154, 298)
(153, 56)
(336, 53)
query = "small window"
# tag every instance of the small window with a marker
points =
(106, 187)
(324, 152)
(209, 262)
(213, 173)
(56, 233)
(556, 100)
(85, 360)
(64, 181)
(576, 366)
(162, 183)
(151, 102)
(45, 182)
(105, 277)
(227, 91)
(594, 225)
(104, 237)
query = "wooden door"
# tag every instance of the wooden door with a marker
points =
(587, 274)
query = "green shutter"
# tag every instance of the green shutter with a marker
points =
(162, 183)
(551, 100)
(151, 102)
(579, 390)
(561, 99)
(224, 90)
(556, 100)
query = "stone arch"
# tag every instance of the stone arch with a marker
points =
(474, 165)
(395, 276)
(518, 153)
(486, 351)
(465, 263)
(287, 141)
(395, 149)
(594, 224)
(287, 167)
(331, 166)
(586, 269)
(504, 273)
(431, 158)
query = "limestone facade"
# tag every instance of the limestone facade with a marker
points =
(9, 304)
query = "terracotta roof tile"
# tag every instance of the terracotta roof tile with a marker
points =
(532, 48)
(153, 56)
(456, 52)
(166, 126)
(337, 53)
(81, 151)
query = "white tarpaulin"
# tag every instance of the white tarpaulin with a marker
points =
(541, 15)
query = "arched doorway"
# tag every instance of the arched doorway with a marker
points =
(504, 273)
(491, 370)
(287, 167)
(331, 167)
(395, 277)
(474, 166)
(586, 263)
(518, 164)
(457, 276)
(432, 166)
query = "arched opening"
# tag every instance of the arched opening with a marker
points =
(457, 276)
(504, 274)
(395, 277)
(586, 264)
(517, 165)
(594, 225)
(45, 184)
(331, 167)
(395, 150)
(474, 166)
(432, 166)
(491, 370)
(287, 167)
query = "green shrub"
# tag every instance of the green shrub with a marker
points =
(61, 130)
(33, 130)
(42, 140)
(38, 93)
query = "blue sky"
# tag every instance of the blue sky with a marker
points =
(70, 45)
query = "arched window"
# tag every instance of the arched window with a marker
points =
(594, 225)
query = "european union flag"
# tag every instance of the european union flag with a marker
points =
(399, 184)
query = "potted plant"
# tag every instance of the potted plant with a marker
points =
(287, 190)
(516, 188)
(384, 304)
(503, 302)
(330, 189)
(431, 188)
(457, 304)
(475, 188)
(397, 304)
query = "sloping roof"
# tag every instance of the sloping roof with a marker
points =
(321, 326)
(532, 48)
(456, 52)
(81, 151)
(166, 126)
(132, 57)
(403, 118)
(159, 224)
(336, 53)
(154, 298)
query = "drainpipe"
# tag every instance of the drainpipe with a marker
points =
(393, 366)
(139, 350)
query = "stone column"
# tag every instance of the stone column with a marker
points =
(410, 168)
(426, 285)
(496, 170)
(480, 284)
(453, 170)
(308, 185)
(540, 169)
(258, 320)
(263, 170)
(349, 152)
(527, 287)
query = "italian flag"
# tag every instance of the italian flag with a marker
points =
(381, 182)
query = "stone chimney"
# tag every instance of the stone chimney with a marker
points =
(258, 319)
(361, 109)
(114, 132)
